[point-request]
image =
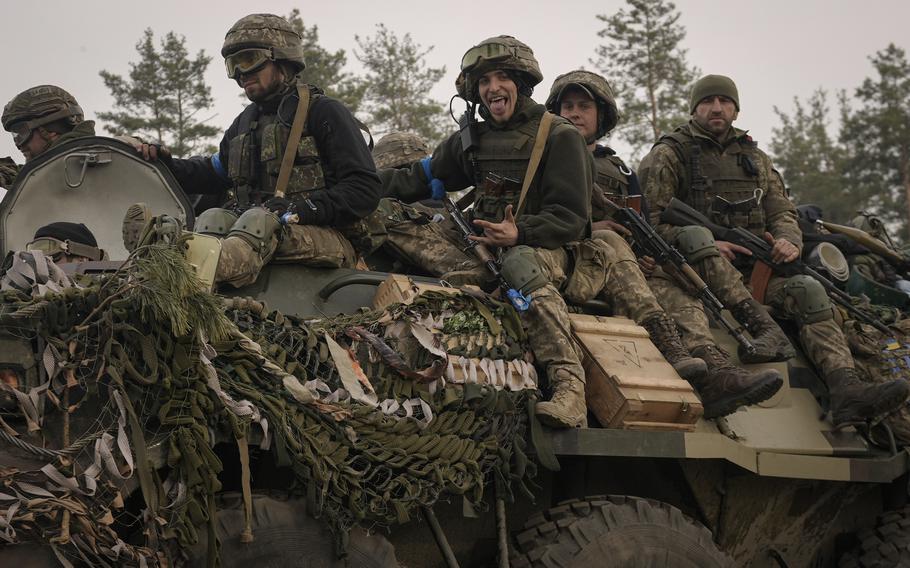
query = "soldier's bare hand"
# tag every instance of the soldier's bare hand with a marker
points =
(782, 251)
(611, 225)
(729, 250)
(647, 264)
(504, 234)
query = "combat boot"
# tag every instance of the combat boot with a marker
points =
(769, 340)
(135, 222)
(855, 401)
(727, 387)
(665, 335)
(566, 407)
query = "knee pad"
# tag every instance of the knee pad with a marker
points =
(216, 222)
(811, 300)
(256, 226)
(696, 243)
(521, 269)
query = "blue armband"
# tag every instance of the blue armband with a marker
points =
(437, 189)
(218, 166)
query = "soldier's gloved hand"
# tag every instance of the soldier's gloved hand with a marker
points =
(277, 204)
(647, 265)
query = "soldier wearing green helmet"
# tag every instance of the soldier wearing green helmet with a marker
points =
(293, 172)
(39, 118)
(528, 204)
(586, 99)
(720, 171)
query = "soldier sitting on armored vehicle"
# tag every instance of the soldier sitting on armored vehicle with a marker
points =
(40, 118)
(300, 205)
(586, 99)
(719, 171)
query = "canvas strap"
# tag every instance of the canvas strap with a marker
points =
(536, 153)
(290, 152)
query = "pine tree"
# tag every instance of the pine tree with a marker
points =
(645, 63)
(163, 96)
(876, 135)
(812, 161)
(324, 68)
(397, 83)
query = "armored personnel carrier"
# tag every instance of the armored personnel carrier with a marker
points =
(770, 485)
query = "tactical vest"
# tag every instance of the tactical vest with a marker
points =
(501, 161)
(611, 183)
(255, 155)
(724, 186)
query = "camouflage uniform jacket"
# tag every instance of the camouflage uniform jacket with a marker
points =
(612, 178)
(351, 186)
(558, 203)
(665, 175)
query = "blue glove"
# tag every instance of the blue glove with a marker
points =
(437, 189)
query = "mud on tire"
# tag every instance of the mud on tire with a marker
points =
(887, 544)
(615, 530)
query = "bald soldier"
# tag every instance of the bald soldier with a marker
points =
(720, 171)
(586, 99)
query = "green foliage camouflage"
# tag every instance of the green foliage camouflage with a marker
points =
(130, 379)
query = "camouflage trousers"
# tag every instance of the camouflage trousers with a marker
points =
(308, 245)
(436, 248)
(624, 286)
(823, 342)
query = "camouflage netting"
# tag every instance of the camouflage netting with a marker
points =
(116, 389)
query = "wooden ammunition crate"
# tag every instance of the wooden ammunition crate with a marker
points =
(629, 383)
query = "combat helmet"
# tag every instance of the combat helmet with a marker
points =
(36, 107)
(399, 149)
(255, 39)
(596, 87)
(500, 52)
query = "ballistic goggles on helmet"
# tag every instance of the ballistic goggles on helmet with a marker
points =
(247, 60)
(492, 51)
(22, 131)
(55, 248)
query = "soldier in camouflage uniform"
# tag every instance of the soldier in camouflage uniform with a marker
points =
(40, 118)
(332, 184)
(587, 100)
(719, 170)
(498, 75)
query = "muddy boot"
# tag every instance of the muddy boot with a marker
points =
(854, 401)
(566, 407)
(769, 340)
(665, 335)
(135, 221)
(727, 387)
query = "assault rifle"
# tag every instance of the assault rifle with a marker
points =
(518, 300)
(673, 261)
(679, 214)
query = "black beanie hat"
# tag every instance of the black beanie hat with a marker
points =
(75, 232)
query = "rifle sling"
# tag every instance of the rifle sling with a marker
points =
(290, 151)
(536, 153)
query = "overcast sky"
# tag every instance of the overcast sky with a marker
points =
(774, 49)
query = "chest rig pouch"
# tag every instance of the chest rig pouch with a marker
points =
(612, 187)
(257, 150)
(725, 186)
(502, 161)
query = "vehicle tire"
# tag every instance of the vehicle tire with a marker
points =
(887, 544)
(616, 531)
(286, 535)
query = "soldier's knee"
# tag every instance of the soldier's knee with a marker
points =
(696, 243)
(522, 270)
(256, 226)
(216, 222)
(809, 298)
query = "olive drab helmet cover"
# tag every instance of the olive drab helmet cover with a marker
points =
(500, 52)
(266, 31)
(38, 106)
(596, 87)
(399, 149)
